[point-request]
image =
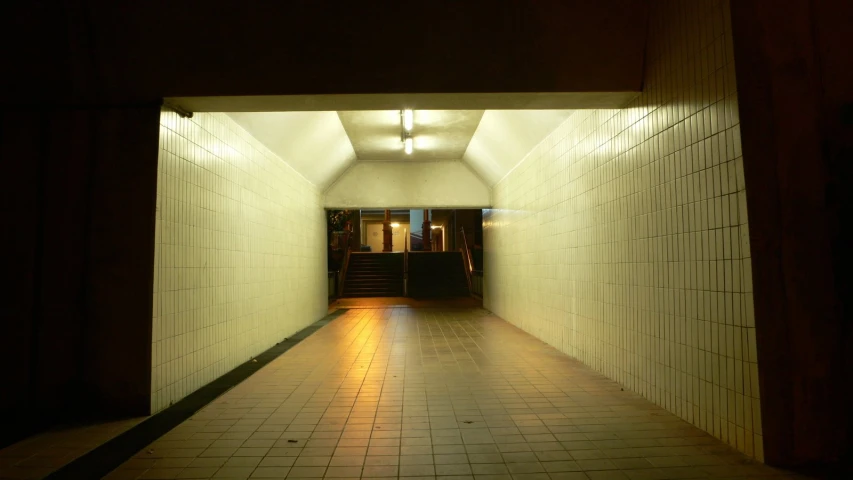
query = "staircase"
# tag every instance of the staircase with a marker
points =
(437, 274)
(374, 275)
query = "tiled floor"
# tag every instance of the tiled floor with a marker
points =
(40, 455)
(425, 393)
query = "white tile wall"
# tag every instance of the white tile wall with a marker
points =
(240, 258)
(622, 238)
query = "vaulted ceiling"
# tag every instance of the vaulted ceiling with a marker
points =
(323, 145)
(350, 145)
(312, 143)
(440, 135)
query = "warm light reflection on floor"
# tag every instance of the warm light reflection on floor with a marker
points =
(432, 392)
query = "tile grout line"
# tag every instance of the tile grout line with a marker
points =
(108, 456)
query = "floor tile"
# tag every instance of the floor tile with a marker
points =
(426, 392)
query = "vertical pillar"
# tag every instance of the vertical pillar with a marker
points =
(387, 238)
(793, 78)
(355, 237)
(82, 196)
(439, 241)
(426, 225)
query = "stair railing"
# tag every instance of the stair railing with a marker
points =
(406, 266)
(468, 265)
(343, 272)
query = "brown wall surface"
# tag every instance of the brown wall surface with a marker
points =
(103, 51)
(794, 77)
(79, 196)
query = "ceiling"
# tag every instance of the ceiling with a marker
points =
(505, 137)
(312, 143)
(437, 134)
(324, 146)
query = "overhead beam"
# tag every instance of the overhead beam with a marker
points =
(123, 52)
(398, 185)
(417, 101)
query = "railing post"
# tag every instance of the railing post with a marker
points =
(387, 233)
(426, 232)
(406, 273)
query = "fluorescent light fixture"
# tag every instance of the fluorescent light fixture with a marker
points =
(395, 225)
(433, 227)
(409, 144)
(408, 120)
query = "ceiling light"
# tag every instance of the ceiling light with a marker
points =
(409, 144)
(395, 225)
(408, 120)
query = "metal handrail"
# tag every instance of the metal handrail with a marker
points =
(468, 266)
(343, 272)
(470, 261)
(406, 266)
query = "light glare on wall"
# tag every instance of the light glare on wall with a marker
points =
(408, 120)
(427, 141)
(395, 225)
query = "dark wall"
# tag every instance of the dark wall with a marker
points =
(472, 221)
(79, 195)
(80, 183)
(795, 89)
(109, 52)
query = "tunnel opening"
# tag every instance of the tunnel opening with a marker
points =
(627, 220)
